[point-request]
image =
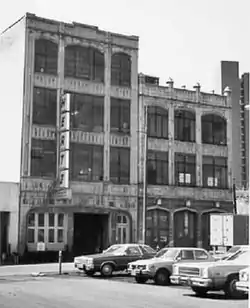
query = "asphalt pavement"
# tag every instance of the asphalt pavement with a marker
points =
(71, 291)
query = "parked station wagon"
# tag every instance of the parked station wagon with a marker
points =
(212, 276)
(115, 258)
(159, 268)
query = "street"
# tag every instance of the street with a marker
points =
(73, 291)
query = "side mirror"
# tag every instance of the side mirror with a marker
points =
(178, 259)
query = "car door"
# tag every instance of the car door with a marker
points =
(132, 253)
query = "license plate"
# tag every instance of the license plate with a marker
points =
(189, 282)
(80, 266)
(134, 272)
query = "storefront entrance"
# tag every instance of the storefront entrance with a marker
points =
(90, 233)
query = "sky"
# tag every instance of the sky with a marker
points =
(181, 39)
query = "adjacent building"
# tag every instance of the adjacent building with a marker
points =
(189, 161)
(230, 76)
(9, 209)
(84, 114)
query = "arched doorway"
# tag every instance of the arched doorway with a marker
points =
(185, 225)
(157, 228)
(205, 222)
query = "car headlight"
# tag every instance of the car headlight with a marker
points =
(129, 266)
(204, 272)
(175, 270)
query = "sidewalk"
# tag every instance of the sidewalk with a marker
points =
(32, 269)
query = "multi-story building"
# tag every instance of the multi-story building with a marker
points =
(99, 71)
(240, 119)
(189, 162)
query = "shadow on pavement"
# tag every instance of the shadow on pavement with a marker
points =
(217, 296)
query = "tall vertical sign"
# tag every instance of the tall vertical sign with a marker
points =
(64, 147)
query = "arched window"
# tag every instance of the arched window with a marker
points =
(185, 223)
(122, 229)
(214, 129)
(184, 125)
(157, 122)
(46, 54)
(121, 70)
(84, 62)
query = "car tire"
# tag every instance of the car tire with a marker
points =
(140, 279)
(107, 270)
(90, 273)
(162, 277)
(230, 287)
(199, 291)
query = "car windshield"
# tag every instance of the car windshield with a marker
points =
(116, 249)
(167, 253)
(242, 257)
(233, 249)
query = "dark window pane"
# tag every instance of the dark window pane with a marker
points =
(51, 220)
(40, 220)
(44, 106)
(31, 220)
(60, 220)
(157, 122)
(120, 115)
(84, 63)
(185, 169)
(87, 112)
(60, 235)
(40, 235)
(215, 172)
(157, 168)
(43, 158)
(46, 54)
(121, 70)
(31, 235)
(119, 165)
(184, 125)
(86, 162)
(51, 235)
(214, 130)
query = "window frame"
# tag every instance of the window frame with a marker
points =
(44, 56)
(188, 118)
(118, 108)
(212, 120)
(119, 179)
(213, 166)
(185, 165)
(90, 65)
(157, 122)
(120, 74)
(90, 150)
(161, 165)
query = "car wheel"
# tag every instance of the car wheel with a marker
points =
(200, 291)
(107, 270)
(162, 278)
(230, 287)
(139, 279)
(90, 273)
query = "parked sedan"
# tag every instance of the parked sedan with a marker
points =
(115, 258)
(160, 267)
(212, 276)
(243, 283)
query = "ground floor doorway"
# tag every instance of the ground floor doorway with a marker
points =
(4, 231)
(90, 233)
(185, 227)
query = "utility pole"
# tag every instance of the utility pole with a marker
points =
(145, 155)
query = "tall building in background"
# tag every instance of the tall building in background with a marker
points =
(79, 157)
(240, 119)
